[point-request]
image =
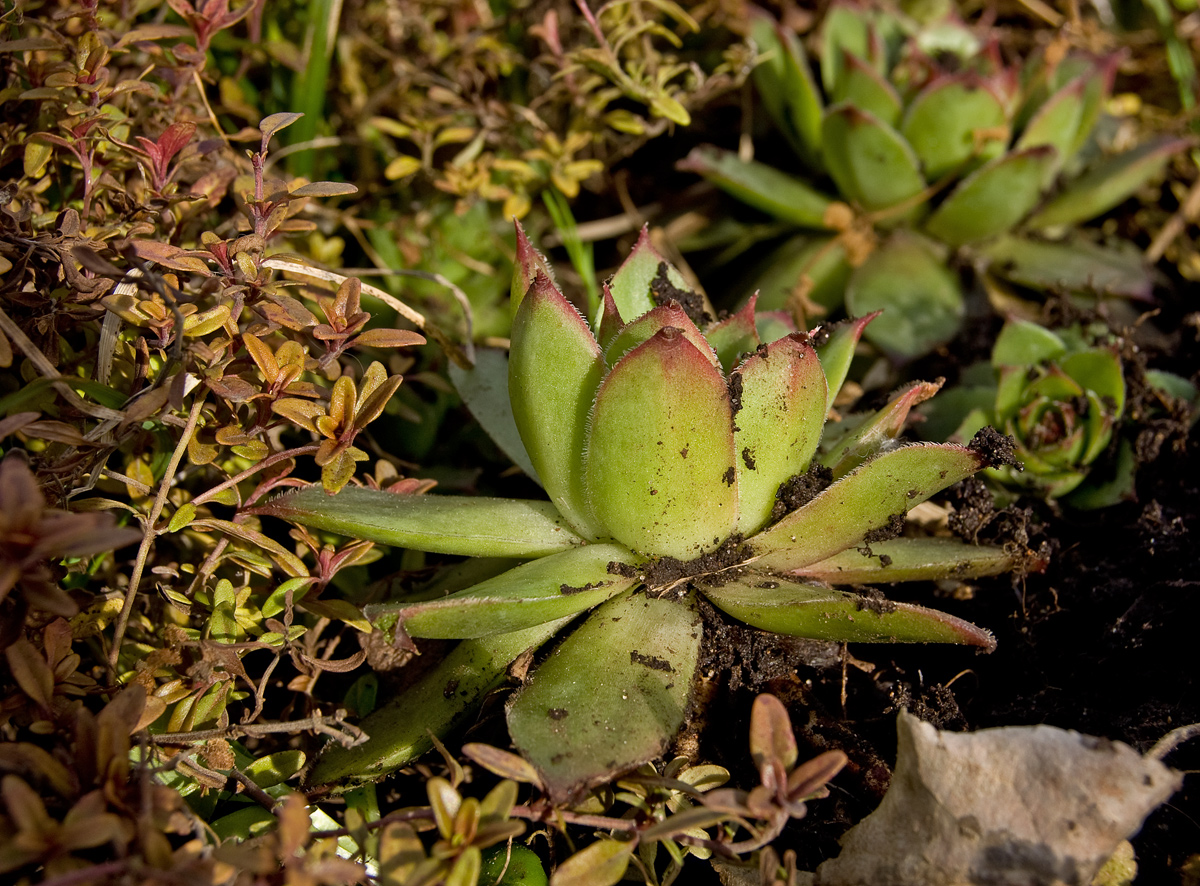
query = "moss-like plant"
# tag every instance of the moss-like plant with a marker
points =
(915, 143)
(681, 466)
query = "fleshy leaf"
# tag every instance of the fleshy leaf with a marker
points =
(529, 263)
(1107, 184)
(610, 322)
(955, 121)
(778, 426)
(611, 696)
(871, 163)
(920, 297)
(1023, 343)
(1099, 370)
(735, 335)
(844, 31)
(761, 186)
(440, 700)
(786, 606)
(542, 590)
(441, 524)
(659, 464)
(1072, 266)
(484, 390)
(878, 430)
(554, 368)
(630, 285)
(871, 498)
(838, 351)
(1056, 125)
(787, 88)
(862, 86)
(821, 259)
(916, 559)
(641, 330)
(992, 199)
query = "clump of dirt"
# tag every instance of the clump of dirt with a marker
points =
(663, 291)
(872, 600)
(667, 571)
(994, 447)
(735, 392)
(567, 590)
(799, 489)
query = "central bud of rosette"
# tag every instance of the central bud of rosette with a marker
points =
(649, 431)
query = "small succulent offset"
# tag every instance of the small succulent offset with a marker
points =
(679, 465)
(1059, 396)
(921, 142)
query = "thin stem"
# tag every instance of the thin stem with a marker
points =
(252, 470)
(148, 535)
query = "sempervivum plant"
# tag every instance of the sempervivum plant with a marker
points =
(920, 142)
(679, 465)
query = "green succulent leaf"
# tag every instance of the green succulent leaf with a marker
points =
(534, 593)
(778, 427)
(642, 329)
(761, 186)
(1056, 124)
(872, 165)
(1023, 343)
(1072, 265)
(441, 524)
(445, 697)
(735, 335)
(1099, 370)
(529, 263)
(862, 86)
(954, 123)
(821, 259)
(788, 606)
(630, 285)
(659, 464)
(867, 500)
(845, 31)
(1107, 184)
(611, 695)
(553, 371)
(921, 299)
(993, 199)
(877, 431)
(916, 559)
(484, 390)
(786, 85)
(837, 353)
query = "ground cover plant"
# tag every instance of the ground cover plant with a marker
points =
(257, 254)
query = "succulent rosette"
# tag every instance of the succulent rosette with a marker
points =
(679, 464)
(915, 143)
(1057, 394)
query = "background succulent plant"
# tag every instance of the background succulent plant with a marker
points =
(921, 142)
(679, 465)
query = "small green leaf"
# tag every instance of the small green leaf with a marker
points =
(519, 865)
(612, 694)
(441, 699)
(872, 164)
(786, 606)
(630, 285)
(837, 353)
(554, 369)
(601, 864)
(862, 86)
(869, 498)
(1056, 125)
(954, 123)
(1022, 343)
(763, 187)
(473, 527)
(822, 260)
(993, 199)
(915, 559)
(778, 427)
(543, 590)
(275, 768)
(1075, 265)
(735, 335)
(877, 431)
(659, 465)
(1107, 184)
(182, 517)
(920, 298)
(844, 31)
(786, 86)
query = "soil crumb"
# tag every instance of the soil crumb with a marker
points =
(567, 590)
(995, 447)
(799, 489)
(667, 571)
(662, 291)
(873, 600)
